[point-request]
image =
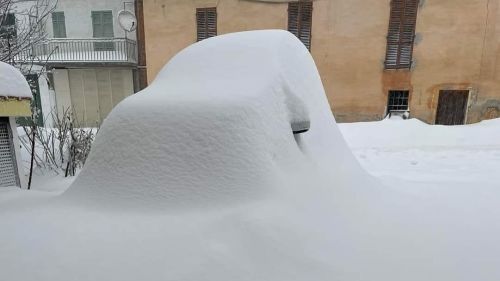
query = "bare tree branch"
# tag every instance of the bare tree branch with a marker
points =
(17, 42)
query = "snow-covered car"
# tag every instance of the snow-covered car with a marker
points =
(201, 177)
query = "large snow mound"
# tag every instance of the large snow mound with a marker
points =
(211, 139)
(215, 126)
(13, 83)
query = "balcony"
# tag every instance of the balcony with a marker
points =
(64, 51)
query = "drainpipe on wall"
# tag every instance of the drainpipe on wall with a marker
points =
(142, 75)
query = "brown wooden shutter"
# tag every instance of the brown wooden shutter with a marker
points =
(206, 23)
(401, 34)
(300, 20)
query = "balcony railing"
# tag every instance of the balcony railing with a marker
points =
(94, 50)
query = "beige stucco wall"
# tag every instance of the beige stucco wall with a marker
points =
(457, 46)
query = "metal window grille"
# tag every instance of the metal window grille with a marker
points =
(401, 34)
(300, 20)
(8, 167)
(398, 101)
(206, 23)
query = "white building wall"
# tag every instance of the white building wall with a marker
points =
(92, 92)
(47, 98)
(79, 19)
(61, 86)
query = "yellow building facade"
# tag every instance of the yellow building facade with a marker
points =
(455, 50)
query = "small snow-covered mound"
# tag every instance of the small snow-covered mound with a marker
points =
(12, 82)
(415, 133)
(215, 126)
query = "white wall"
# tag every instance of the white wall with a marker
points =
(92, 92)
(47, 98)
(79, 19)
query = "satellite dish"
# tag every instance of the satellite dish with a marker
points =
(127, 20)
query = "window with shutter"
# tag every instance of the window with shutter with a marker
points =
(206, 23)
(102, 27)
(8, 26)
(300, 20)
(59, 25)
(401, 34)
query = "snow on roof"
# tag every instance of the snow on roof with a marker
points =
(215, 126)
(13, 83)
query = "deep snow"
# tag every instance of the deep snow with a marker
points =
(319, 217)
(218, 124)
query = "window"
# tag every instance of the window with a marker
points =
(398, 101)
(300, 20)
(206, 23)
(102, 27)
(58, 25)
(401, 34)
(8, 26)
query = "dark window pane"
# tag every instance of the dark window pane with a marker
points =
(398, 101)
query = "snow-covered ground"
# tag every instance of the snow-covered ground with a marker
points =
(428, 160)
(199, 177)
(405, 154)
(454, 166)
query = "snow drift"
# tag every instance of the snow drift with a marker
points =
(215, 126)
(13, 82)
(236, 196)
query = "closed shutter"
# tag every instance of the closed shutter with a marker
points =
(59, 25)
(102, 27)
(401, 34)
(8, 26)
(206, 23)
(8, 175)
(300, 20)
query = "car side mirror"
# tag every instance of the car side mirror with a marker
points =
(299, 127)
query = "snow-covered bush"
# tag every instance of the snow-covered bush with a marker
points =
(62, 148)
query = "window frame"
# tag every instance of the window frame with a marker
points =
(402, 101)
(203, 29)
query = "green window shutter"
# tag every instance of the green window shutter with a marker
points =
(102, 27)
(107, 19)
(96, 24)
(8, 26)
(102, 24)
(59, 25)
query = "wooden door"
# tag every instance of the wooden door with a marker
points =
(452, 106)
